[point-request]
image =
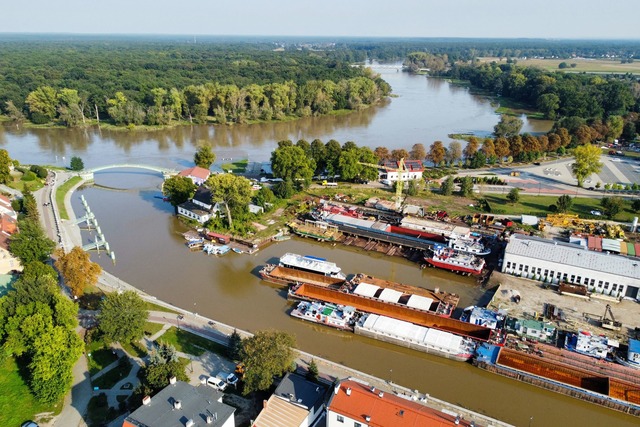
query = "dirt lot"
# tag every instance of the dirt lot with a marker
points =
(534, 296)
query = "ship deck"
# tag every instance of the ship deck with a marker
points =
(394, 310)
(294, 276)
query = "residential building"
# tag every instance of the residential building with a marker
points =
(181, 404)
(197, 174)
(354, 404)
(389, 171)
(6, 208)
(194, 211)
(203, 198)
(553, 262)
(296, 402)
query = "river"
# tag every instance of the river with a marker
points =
(151, 254)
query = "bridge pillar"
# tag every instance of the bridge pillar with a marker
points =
(86, 175)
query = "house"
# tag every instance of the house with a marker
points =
(6, 208)
(255, 209)
(181, 404)
(389, 171)
(192, 210)
(531, 329)
(296, 402)
(203, 198)
(356, 404)
(197, 174)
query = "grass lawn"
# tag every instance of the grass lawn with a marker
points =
(149, 306)
(61, 192)
(17, 404)
(539, 206)
(189, 343)
(239, 166)
(582, 65)
(134, 349)
(151, 328)
(101, 356)
(113, 376)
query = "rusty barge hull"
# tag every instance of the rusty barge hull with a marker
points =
(288, 276)
(397, 311)
(569, 380)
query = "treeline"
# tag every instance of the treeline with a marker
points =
(555, 94)
(154, 83)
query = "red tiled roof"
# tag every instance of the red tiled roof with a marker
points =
(386, 411)
(410, 165)
(5, 201)
(196, 172)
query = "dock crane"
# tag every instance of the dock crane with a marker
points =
(608, 321)
(399, 184)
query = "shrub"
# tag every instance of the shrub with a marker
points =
(29, 176)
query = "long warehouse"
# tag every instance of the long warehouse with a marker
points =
(601, 272)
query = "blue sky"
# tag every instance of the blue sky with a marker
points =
(378, 18)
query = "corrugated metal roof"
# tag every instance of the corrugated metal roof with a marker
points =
(366, 289)
(420, 302)
(568, 254)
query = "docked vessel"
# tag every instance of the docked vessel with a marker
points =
(452, 260)
(211, 249)
(319, 230)
(434, 301)
(632, 358)
(598, 346)
(312, 264)
(469, 244)
(429, 340)
(337, 316)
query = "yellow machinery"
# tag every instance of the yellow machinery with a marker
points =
(399, 184)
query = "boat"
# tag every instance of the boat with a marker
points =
(284, 276)
(195, 244)
(237, 250)
(598, 346)
(336, 316)
(434, 301)
(452, 260)
(469, 243)
(211, 249)
(312, 264)
(320, 230)
(421, 338)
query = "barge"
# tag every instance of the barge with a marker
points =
(319, 230)
(309, 292)
(284, 276)
(429, 340)
(440, 303)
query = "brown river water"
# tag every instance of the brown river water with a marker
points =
(151, 255)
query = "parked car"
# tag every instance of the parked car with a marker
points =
(596, 213)
(217, 383)
(231, 379)
(29, 424)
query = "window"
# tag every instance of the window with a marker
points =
(564, 277)
(526, 268)
(579, 280)
(508, 264)
(520, 267)
(614, 287)
(599, 283)
(586, 281)
(558, 275)
(356, 424)
(573, 278)
(546, 272)
(340, 419)
(606, 285)
(539, 270)
(593, 282)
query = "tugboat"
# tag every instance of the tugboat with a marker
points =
(452, 260)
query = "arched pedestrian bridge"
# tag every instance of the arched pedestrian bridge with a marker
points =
(87, 174)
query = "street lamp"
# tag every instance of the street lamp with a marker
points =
(179, 317)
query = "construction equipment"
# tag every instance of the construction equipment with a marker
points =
(399, 183)
(240, 370)
(609, 322)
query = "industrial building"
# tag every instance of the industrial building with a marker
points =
(553, 262)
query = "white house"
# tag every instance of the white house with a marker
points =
(194, 211)
(388, 171)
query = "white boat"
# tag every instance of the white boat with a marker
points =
(334, 315)
(312, 264)
(211, 249)
(633, 355)
(468, 243)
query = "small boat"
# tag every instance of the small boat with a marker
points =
(312, 264)
(211, 249)
(334, 315)
(458, 262)
(237, 250)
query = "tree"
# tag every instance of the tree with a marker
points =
(398, 154)
(77, 269)
(437, 153)
(156, 376)
(587, 161)
(178, 189)
(30, 205)
(264, 197)
(231, 190)
(312, 372)
(5, 166)
(290, 162)
(471, 148)
(14, 113)
(514, 195)
(635, 205)
(266, 354)
(413, 187)
(42, 104)
(446, 188)
(76, 164)
(204, 156)
(466, 186)
(454, 152)
(508, 126)
(564, 202)
(234, 349)
(548, 104)
(611, 206)
(382, 153)
(418, 152)
(284, 189)
(163, 353)
(30, 243)
(122, 317)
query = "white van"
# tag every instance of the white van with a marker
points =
(217, 383)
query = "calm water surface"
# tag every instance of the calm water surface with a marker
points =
(151, 253)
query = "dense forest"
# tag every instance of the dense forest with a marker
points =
(156, 82)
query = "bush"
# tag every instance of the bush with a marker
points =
(39, 171)
(29, 176)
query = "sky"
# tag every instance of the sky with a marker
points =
(565, 19)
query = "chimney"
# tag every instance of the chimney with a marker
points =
(367, 418)
(264, 403)
(146, 400)
(373, 389)
(209, 419)
(177, 404)
(381, 394)
(172, 380)
(348, 391)
(189, 423)
(336, 389)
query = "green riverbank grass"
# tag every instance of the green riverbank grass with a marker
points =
(186, 342)
(61, 192)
